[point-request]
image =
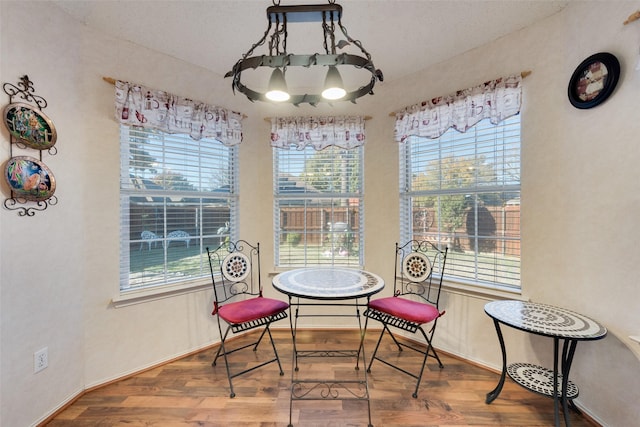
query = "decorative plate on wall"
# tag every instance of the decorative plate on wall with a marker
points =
(594, 80)
(30, 126)
(29, 178)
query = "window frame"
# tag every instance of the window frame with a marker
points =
(200, 200)
(408, 196)
(334, 240)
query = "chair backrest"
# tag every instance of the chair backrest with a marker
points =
(416, 263)
(235, 270)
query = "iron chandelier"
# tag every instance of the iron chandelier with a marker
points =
(279, 59)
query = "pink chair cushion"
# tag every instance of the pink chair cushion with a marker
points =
(413, 311)
(251, 309)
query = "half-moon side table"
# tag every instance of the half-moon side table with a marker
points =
(554, 322)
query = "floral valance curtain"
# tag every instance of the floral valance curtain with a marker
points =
(319, 132)
(137, 105)
(496, 100)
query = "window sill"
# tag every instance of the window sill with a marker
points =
(139, 296)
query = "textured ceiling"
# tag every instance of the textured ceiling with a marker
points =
(402, 36)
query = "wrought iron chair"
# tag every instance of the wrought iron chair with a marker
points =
(414, 304)
(238, 300)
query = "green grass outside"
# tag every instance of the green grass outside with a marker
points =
(147, 266)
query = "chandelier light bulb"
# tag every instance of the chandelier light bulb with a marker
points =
(333, 86)
(277, 90)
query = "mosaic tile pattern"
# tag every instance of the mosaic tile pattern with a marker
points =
(539, 379)
(545, 319)
(328, 282)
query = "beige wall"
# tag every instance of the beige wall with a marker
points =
(59, 269)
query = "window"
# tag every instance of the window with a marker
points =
(463, 190)
(177, 196)
(318, 206)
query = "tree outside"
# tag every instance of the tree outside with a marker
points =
(451, 173)
(325, 174)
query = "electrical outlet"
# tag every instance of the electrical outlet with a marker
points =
(40, 359)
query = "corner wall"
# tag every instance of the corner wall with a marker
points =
(579, 198)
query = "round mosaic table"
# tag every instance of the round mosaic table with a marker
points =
(328, 287)
(329, 283)
(550, 321)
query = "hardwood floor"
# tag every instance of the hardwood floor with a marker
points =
(190, 392)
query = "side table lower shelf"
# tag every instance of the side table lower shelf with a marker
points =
(539, 380)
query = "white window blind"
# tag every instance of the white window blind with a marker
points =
(462, 190)
(318, 206)
(178, 196)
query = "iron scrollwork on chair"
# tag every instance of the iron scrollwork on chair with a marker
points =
(414, 304)
(238, 301)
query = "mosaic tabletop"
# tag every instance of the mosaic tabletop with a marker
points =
(328, 283)
(545, 319)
